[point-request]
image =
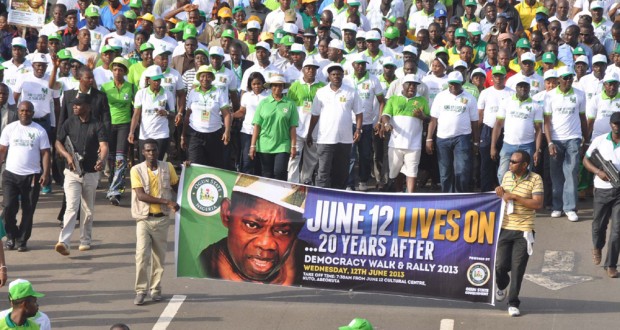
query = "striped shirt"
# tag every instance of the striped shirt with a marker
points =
(526, 186)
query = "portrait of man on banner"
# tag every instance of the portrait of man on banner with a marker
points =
(263, 219)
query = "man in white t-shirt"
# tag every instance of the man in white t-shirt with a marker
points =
(121, 34)
(26, 148)
(454, 115)
(528, 63)
(18, 65)
(565, 125)
(602, 106)
(489, 104)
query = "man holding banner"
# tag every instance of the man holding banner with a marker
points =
(522, 191)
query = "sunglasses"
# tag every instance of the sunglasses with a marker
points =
(567, 78)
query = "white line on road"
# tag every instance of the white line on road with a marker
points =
(446, 324)
(168, 314)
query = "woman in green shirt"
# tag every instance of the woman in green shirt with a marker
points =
(274, 137)
(308, 14)
(120, 95)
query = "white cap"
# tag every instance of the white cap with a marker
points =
(115, 43)
(611, 76)
(599, 58)
(299, 48)
(39, 58)
(474, 27)
(333, 65)
(216, 50)
(311, 61)
(152, 71)
(582, 59)
(411, 49)
(361, 34)
(359, 57)
(596, 4)
(253, 25)
(460, 63)
(290, 28)
(565, 70)
(275, 78)
(411, 78)
(388, 61)
(455, 76)
(161, 50)
(335, 43)
(477, 70)
(520, 79)
(550, 74)
(285, 194)
(349, 26)
(19, 41)
(264, 45)
(373, 35)
(529, 56)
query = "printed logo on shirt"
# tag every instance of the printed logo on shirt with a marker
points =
(535, 83)
(126, 97)
(573, 99)
(29, 143)
(162, 103)
(285, 110)
(343, 99)
(206, 193)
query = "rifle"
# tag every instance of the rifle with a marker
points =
(77, 158)
(607, 167)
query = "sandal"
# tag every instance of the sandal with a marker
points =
(596, 256)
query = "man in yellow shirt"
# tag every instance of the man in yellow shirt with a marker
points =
(152, 183)
(527, 11)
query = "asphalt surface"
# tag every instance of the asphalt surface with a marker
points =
(94, 289)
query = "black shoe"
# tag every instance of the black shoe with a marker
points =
(22, 248)
(114, 200)
(10, 244)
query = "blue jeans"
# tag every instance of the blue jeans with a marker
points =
(454, 156)
(506, 152)
(363, 147)
(247, 165)
(564, 168)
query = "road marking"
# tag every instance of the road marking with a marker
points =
(556, 269)
(446, 324)
(168, 314)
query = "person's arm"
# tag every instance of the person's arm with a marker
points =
(227, 120)
(593, 169)
(188, 113)
(358, 127)
(382, 101)
(239, 113)
(187, 8)
(475, 134)
(429, 136)
(536, 202)
(313, 121)
(480, 118)
(60, 148)
(234, 99)
(3, 151)
(497, 129)
(181, 95)
(103, 155)
(46, 162)
(293, 135)
(135, 120)
(584, 128)
(548, 132)
(146, 198)
(54, 73)
(255, 134)
(3, 269)
(57, 108)
(539, 142)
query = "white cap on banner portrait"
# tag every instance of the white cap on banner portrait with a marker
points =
(411, 49)
(310, 61)
(455, 77)
(288, 195)
(599, 58)
(335, 43)
(550, 74)
(40, 58)
(216, 50)
(460, 63)
(411, 78)
(263, 45)
(529, 56)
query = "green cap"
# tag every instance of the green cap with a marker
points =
(357, 324)
(130, 14)
(237, 9)
(523, 43)
(135, 3)
(471, 3)
(277, 36)
(354, 3)
(178, 28)
(189, 31)
(390, 18)
(201, 51)
(228, 33)
(460, 33)
(146, 46)
(64, 54)
(440, 50)
(55, 36)
(498, 69)
(92, 11)
(121, 61)
(107, 48)
(201, 13)
(549, 57)
(616, 51)
(392, 33)
(287, 40)
(542, 10)
(579, 51)
(20, 289)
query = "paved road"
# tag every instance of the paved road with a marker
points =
(94, 289)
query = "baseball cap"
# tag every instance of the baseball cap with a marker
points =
(599, 58)
(333, 66)
(107, 48)
(276, 78)
(310, 61)
(228, 33)
(354, 3)
(455, 77)
(549, 57)
(520, 79)
(21, 288)
(523, 43)
(130, 14)
(309, 33)
(611, 77)
(372, 35)
(359, 58)
(148, 17)
(471, 3)
(350, 26)
(391, 33)
(596, 5)
(388, 61)
(440, 13)
(411, 49)
(542, 10)
(615, 118)
(146, 46)
(161, 50)
(297, 48)
(290, 28)
(64, 54)
(264, 36)
(565, 71)
(411, 78)
(335, 43)
(253, 25)
(581, 59)
(135, 3)
(277, 35)
(19, 42)
(216, 50)
(201, 51)
(39, 58)
(189, 31)
(263, 45)
(361, 34)
(474, 29)
(237, 9)
(390, 18)
(121, 61)
(253, 18)
(290, 15)
(205, 69)
(440, 50)
(498, 69)
(178, 27)
(477, 71)
(92, 11)
(460, 63)
(287, 41)
(55, 36)
(550, 74)
(460, 33)
(504, 36)
(357, 324)
(529, 56)
(224, 12)
(153, 72)
(579, 51)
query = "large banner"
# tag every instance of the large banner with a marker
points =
(27, 12)
(244, 228)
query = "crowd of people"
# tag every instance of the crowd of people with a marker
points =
(398, 94)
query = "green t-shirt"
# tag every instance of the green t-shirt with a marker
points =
(7, 323)
(307, 20)
(399, 105)
(300, 92)
(135, 72)
(120, 101)
(471, 89)
(275, 119)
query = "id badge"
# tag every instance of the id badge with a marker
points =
(205, 114)
(307, 107)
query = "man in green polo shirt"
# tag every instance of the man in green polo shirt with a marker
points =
(23, 300)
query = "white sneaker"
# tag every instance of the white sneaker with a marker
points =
(500, 295)
(556, 214)
(572, 216)
(362, 186)
(513, 311)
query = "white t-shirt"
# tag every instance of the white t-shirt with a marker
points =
(591, 86)
(265, 71)
(250, 102)
(206, 107)
(606, 147)
(537, 83)
(12, 72)
(491, 100)
(127, 41)
(275, 20)
(565, 111)
(519, 119)
(454, 113)
(166, 42)
(435, 86)
(600, 108)
(335, 109)
(102, 76)
(96, 37)
(37, 91)
(25, 144)
(40, 318)
(51, 28)
(172, 81)
(152, 125)
(368, 88)
(420, 20)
